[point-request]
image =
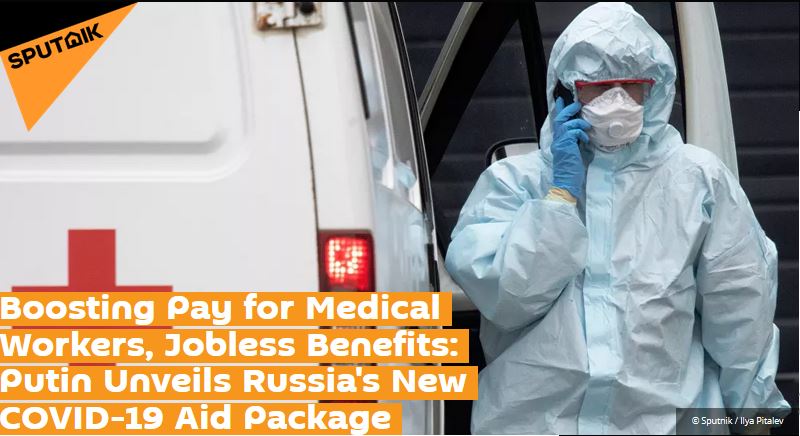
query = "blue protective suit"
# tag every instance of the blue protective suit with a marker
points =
(656, 291)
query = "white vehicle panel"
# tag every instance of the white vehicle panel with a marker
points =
(336, 121)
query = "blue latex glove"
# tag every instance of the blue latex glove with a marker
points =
(568, 170)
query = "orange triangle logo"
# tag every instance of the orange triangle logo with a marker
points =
(39, 70)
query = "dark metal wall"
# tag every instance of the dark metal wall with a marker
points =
(760, 45)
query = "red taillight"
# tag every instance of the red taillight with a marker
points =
(346, 262)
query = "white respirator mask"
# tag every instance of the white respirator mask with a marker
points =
(616, 119)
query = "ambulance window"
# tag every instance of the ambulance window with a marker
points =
(554, 18)
(395, 87)
(388, 120)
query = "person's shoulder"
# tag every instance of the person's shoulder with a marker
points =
(523, 174)
(691, 156)
(704, 164)
(698, 156)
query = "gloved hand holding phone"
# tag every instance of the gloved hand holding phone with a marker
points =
(568, 170)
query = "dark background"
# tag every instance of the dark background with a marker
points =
(25, 21)
(760, 46)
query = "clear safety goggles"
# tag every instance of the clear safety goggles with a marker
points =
(638, 89)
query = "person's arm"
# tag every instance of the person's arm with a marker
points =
(736, 274)
(513, 254)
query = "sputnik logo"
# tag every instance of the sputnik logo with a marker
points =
(39, 70)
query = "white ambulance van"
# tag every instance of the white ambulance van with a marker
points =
(257, 146)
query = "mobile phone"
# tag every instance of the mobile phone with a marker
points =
(564, 93)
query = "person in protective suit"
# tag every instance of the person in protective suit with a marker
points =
(620, 273)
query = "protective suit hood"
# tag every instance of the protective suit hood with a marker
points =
(612, 41)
